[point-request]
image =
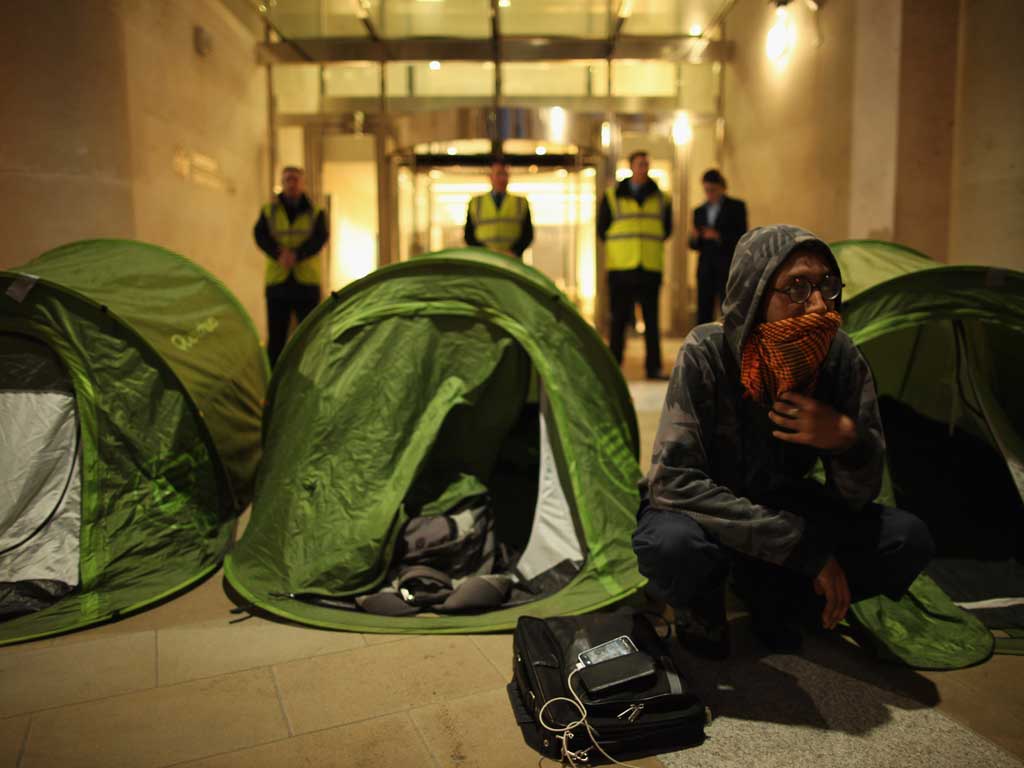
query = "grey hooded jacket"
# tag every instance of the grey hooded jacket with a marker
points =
(714, 456)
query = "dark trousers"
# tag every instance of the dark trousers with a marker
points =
(626, 289)
(282, 301)
(881, 549)
(712, 275)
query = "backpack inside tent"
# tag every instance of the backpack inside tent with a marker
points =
(946, 348)
(447, 445)
(131, 383)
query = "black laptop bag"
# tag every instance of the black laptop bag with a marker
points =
(653, 713)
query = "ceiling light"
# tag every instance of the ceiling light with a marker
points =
(504, 3)
(606, 134)
(452, 151)
(696, 30)
(625, 9)
(435, 65)
(542, 150)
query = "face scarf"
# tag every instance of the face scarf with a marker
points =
(786, 355)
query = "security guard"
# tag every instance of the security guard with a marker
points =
(291, 231)
(634, 221)
(499, 221)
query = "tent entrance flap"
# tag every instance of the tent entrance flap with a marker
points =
(40, 479)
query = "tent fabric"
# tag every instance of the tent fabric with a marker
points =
(158, 504)
(396, 389)
(865, 263)
(946, 347)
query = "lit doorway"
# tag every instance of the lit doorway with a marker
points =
(433, 200)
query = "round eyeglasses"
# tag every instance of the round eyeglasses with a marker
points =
(800, 289)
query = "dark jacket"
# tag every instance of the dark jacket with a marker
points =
(604, 211)
(731, 223)
(714, 456)
(312, 245)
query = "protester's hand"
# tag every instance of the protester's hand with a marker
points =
(812, 423)
(710, 233)
(831, 583)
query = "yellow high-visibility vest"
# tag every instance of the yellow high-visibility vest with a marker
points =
(636, 237)
(291, 234)
(498, 228)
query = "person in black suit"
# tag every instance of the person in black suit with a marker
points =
(717, 226)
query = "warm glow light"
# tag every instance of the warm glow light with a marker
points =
(557, 125)
(504, 3)
(682, 131)
(625, 9)
(696, 30)
(606, 135)
(435, 65)
(781, 37)
(452, 151)
(542, 150)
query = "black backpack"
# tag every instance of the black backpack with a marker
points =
(655, 712)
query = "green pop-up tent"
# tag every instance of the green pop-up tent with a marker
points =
(428, 382)
(946, 347)
(131, 383)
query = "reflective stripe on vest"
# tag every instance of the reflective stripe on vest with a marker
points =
(291, 234)
(636, 237)
(498, 228)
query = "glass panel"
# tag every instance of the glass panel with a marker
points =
(555, 78)
(635, 78)
(290, 149)
(436, 18)
(315, 18)
(351, 188)
(570, 18)
(699, 87)
(358, 79)
(451, 78)
(673, 17)
(296, 88)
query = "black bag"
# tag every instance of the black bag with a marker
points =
(652, 712)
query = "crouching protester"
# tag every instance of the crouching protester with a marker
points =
(751, 406)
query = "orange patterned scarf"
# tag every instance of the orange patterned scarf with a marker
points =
(786, 356)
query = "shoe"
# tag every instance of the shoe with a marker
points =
(701, 627)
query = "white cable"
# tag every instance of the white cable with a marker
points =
(565, 734)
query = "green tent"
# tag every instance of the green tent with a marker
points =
(131, 384)
(946, 347)
(424, 384)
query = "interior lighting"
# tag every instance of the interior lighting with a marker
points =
(504, 3)
(452, 151)
(625, 9)
(696, 30)
(606, 134)
(542, 150)
(557, 124)
(682, 131)
(435, 65)
(781, 37)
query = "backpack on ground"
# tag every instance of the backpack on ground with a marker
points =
(624, 703)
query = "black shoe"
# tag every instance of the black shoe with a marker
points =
(701, 627)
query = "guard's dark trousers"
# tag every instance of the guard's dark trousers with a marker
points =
(626, 289)
(282, 300)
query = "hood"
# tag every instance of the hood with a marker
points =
(758, 254)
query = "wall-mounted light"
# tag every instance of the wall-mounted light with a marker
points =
(435, 65)
(625, 9)
(696, 30)
(782, 36)
(606, 135)
(682, 131)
